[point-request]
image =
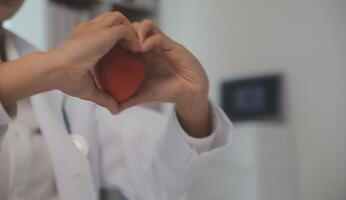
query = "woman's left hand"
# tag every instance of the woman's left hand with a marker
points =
(175, 76)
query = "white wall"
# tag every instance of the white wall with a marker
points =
(303, 39)
(31, 23)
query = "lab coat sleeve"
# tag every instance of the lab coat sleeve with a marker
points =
(5, 119)
(202, 145)
(151, 162)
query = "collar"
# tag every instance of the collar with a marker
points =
(15, 45)
(10, 47)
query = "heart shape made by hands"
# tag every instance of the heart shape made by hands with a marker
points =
(120, 73)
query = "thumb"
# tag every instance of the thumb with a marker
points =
(101, 98)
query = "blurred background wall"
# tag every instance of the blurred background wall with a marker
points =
(305, 40)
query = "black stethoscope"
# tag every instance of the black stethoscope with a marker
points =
(78, 140)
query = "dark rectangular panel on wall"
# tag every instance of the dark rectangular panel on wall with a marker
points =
(255, 98)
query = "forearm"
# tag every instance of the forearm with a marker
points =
(27, 76)
(194, 116)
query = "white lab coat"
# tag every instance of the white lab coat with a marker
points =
(142, 153)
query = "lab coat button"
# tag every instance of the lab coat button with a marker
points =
(80, 143)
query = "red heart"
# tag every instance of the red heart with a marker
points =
(120, 73)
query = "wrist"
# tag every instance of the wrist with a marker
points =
(55, 73)
(29, 75)
(192, 104)
(194, 116)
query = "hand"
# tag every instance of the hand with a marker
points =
(84, 47)
(176, 76)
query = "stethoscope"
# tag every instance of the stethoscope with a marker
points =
(78, 140)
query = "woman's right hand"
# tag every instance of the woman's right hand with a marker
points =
(84, 47)
(68, 67)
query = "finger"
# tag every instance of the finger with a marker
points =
(110, 19)
(132, 46)
(135, 25)
(99, 97)
(152, 42)
(127, 33)
(145, 28)
(158, 40)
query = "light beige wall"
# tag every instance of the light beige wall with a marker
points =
(303, 39)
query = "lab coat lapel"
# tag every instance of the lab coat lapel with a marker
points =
(71, 169)
(72, 172)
